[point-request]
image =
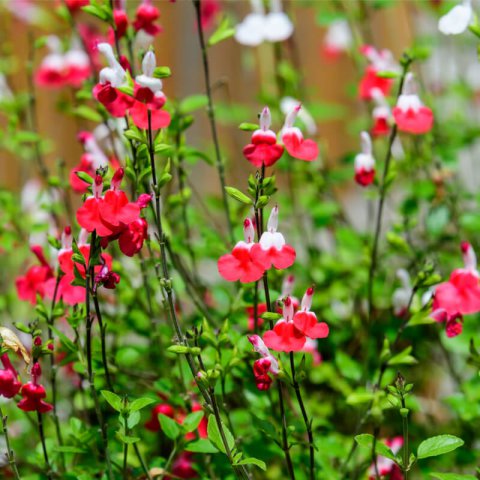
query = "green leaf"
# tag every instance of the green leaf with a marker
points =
(88, 113)
(162, 72)
(184, 349)
(253, 461)
(96, 11)
(69, 449)
(140, 403)
(192, 421)
(366, 440)
(192, 103)
(273, 316)
(114, 400)
(238, 195)
(215, 437)
(126, 438)
(133, 135)
(452, 476)
(387, 74)
(403, 358)
(202, 445)
(438, 446)
(420, 318)
(248, 127)
(224, 31)
(169, 426)
(164, 149)
(66, 342)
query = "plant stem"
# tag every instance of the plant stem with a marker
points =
(103, 331)
(308, 423)
(169, 461)
(211, 117)
(381, 203)
(10, 455)
(125, 453)
(405, 441)
(259, 223)
(167, 293)
(142, 461)
(44, 446)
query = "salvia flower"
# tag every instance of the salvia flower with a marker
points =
(364, 162)
(338, 39)
(401, 296)
(146, 18)
(285, 336)
(292, 138)
(51, 72)
(264, 149)
(306, 321)
(410, 115)
(258, 27)
(149, 97)
(379, 60)
(287, 104)
(9, 383)
(272, 250)
(33, 394)
(241, 265)
(460, 295)
(457, 19)
(381, 114)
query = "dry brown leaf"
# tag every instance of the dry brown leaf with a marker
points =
(12, 342)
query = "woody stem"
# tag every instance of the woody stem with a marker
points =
(308, 423)
(10, 455)
(211, 117)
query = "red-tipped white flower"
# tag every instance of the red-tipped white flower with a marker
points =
(114, 74)
(51, 72)
(457, 19)
(272, 250)
(241, 265)
(264, 149)
(260, 347)
(364, 162)
(410, 114)
(306, 321)
(292, 138)
(381, 114)
(338, 39)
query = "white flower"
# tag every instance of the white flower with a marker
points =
(457, 19)
(338, 36)
(258, 27)
(287, 104)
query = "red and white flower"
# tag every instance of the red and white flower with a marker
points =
(401, 296)
(410, 115)
(292, 138)
(306, 321)
(382, 114)
(457, 19)
(364, 162)
(265, 365)
(338, 39)
(272, 250)
(264, 149)
(241, 265)
(387, 468)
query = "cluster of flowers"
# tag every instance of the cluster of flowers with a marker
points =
(409, 114)
(290, 334)
(32, 392)
(145, 107)
(182, 467)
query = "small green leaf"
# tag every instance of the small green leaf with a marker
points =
(140, 403)
(273, 316)
(420, 318)
(126, 438)
(238, 195)
(366, 440)
(162, 72)
(88, 113)
(253, 461)
(133, 135)
(114, 400)
(431, 447)
(169, 426)
(224, 31)
(215, 437)
(192, 421)
(164, 149)
(202, 445)
(69, 449)
(192, 103)
(248, 127)
(403, 358)
(387, 74)
(452, 476)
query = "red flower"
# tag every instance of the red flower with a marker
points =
(209, 10)
(294, 142)
(76, 5)
(120, 18)
(183, 467)
(240, 264)
(264, 149)
(162, 408)
(9, 383)
(306, 321)
(410, 114)
(261, 308)
(285, 337)
(132, 237)
(365, 163)
(272, 249)
(263, 366)
(387, 468)
(35, 280)
(145, 18)
(33, 394)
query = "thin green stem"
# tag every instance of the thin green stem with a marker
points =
(44, 446)
(142, 461)
(211, 117)
(306, 420)
(405, 440)
(10, 454)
